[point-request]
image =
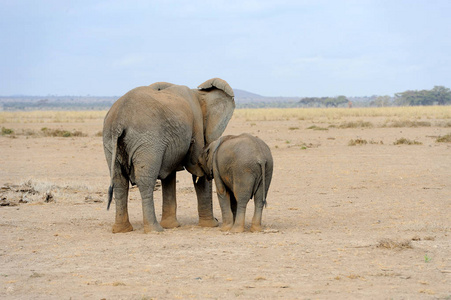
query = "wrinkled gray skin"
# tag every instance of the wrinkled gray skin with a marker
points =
(154, 131)
(242, 167)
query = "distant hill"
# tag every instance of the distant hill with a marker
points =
(242, 94)
(242, 97)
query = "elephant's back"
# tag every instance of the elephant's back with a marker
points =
(145, 107)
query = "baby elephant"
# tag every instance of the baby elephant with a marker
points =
(242, 167)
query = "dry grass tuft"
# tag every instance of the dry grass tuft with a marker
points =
(44, 132)
(357, 142)
(357, 124)
(314, 127)
(391, 244)
(61, 133)
(404, 141)
(444, 139)
(408, 123)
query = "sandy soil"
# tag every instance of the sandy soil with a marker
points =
(359, 222)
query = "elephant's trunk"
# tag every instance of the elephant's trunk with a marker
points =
(192, 158)
(194, 169)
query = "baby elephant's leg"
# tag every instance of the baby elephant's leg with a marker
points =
(238, 226)
(227, 215)
(257, 219)
(224, 203)
(242, 189)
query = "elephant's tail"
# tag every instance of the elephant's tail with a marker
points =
(263, 166)
(113, 161)
(110, 196)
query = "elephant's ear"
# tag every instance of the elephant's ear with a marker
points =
(219, 84)
(217, 107)
(160, 85)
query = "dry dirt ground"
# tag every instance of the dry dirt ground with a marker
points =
(370, 221)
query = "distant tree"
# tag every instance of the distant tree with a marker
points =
(341, 100)
(441, 95)
(324, 101)
(328, 102)
(438, 95)
(381, 101)
(307, 100)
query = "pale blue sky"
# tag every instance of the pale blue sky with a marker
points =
(272, 48)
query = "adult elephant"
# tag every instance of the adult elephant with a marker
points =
(154, 131)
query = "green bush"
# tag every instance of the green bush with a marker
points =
(7, 131)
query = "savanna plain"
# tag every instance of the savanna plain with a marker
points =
(359, 208)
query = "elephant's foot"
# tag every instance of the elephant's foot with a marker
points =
(237, 229)
(152, 228)
(226, 227)
(122, 227)
(169, 223)
(208, 222)
(256, 228)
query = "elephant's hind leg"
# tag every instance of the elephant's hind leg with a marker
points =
(169, 217)
(238, 226)
(120, 190)
(146, 177)
(258, 211)
(242, 189)
(147, 164)
(146, 186)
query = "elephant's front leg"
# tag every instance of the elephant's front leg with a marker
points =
(204, 202)
(120, 191)
(169, 217)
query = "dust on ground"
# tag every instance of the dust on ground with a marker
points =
(365, 221)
